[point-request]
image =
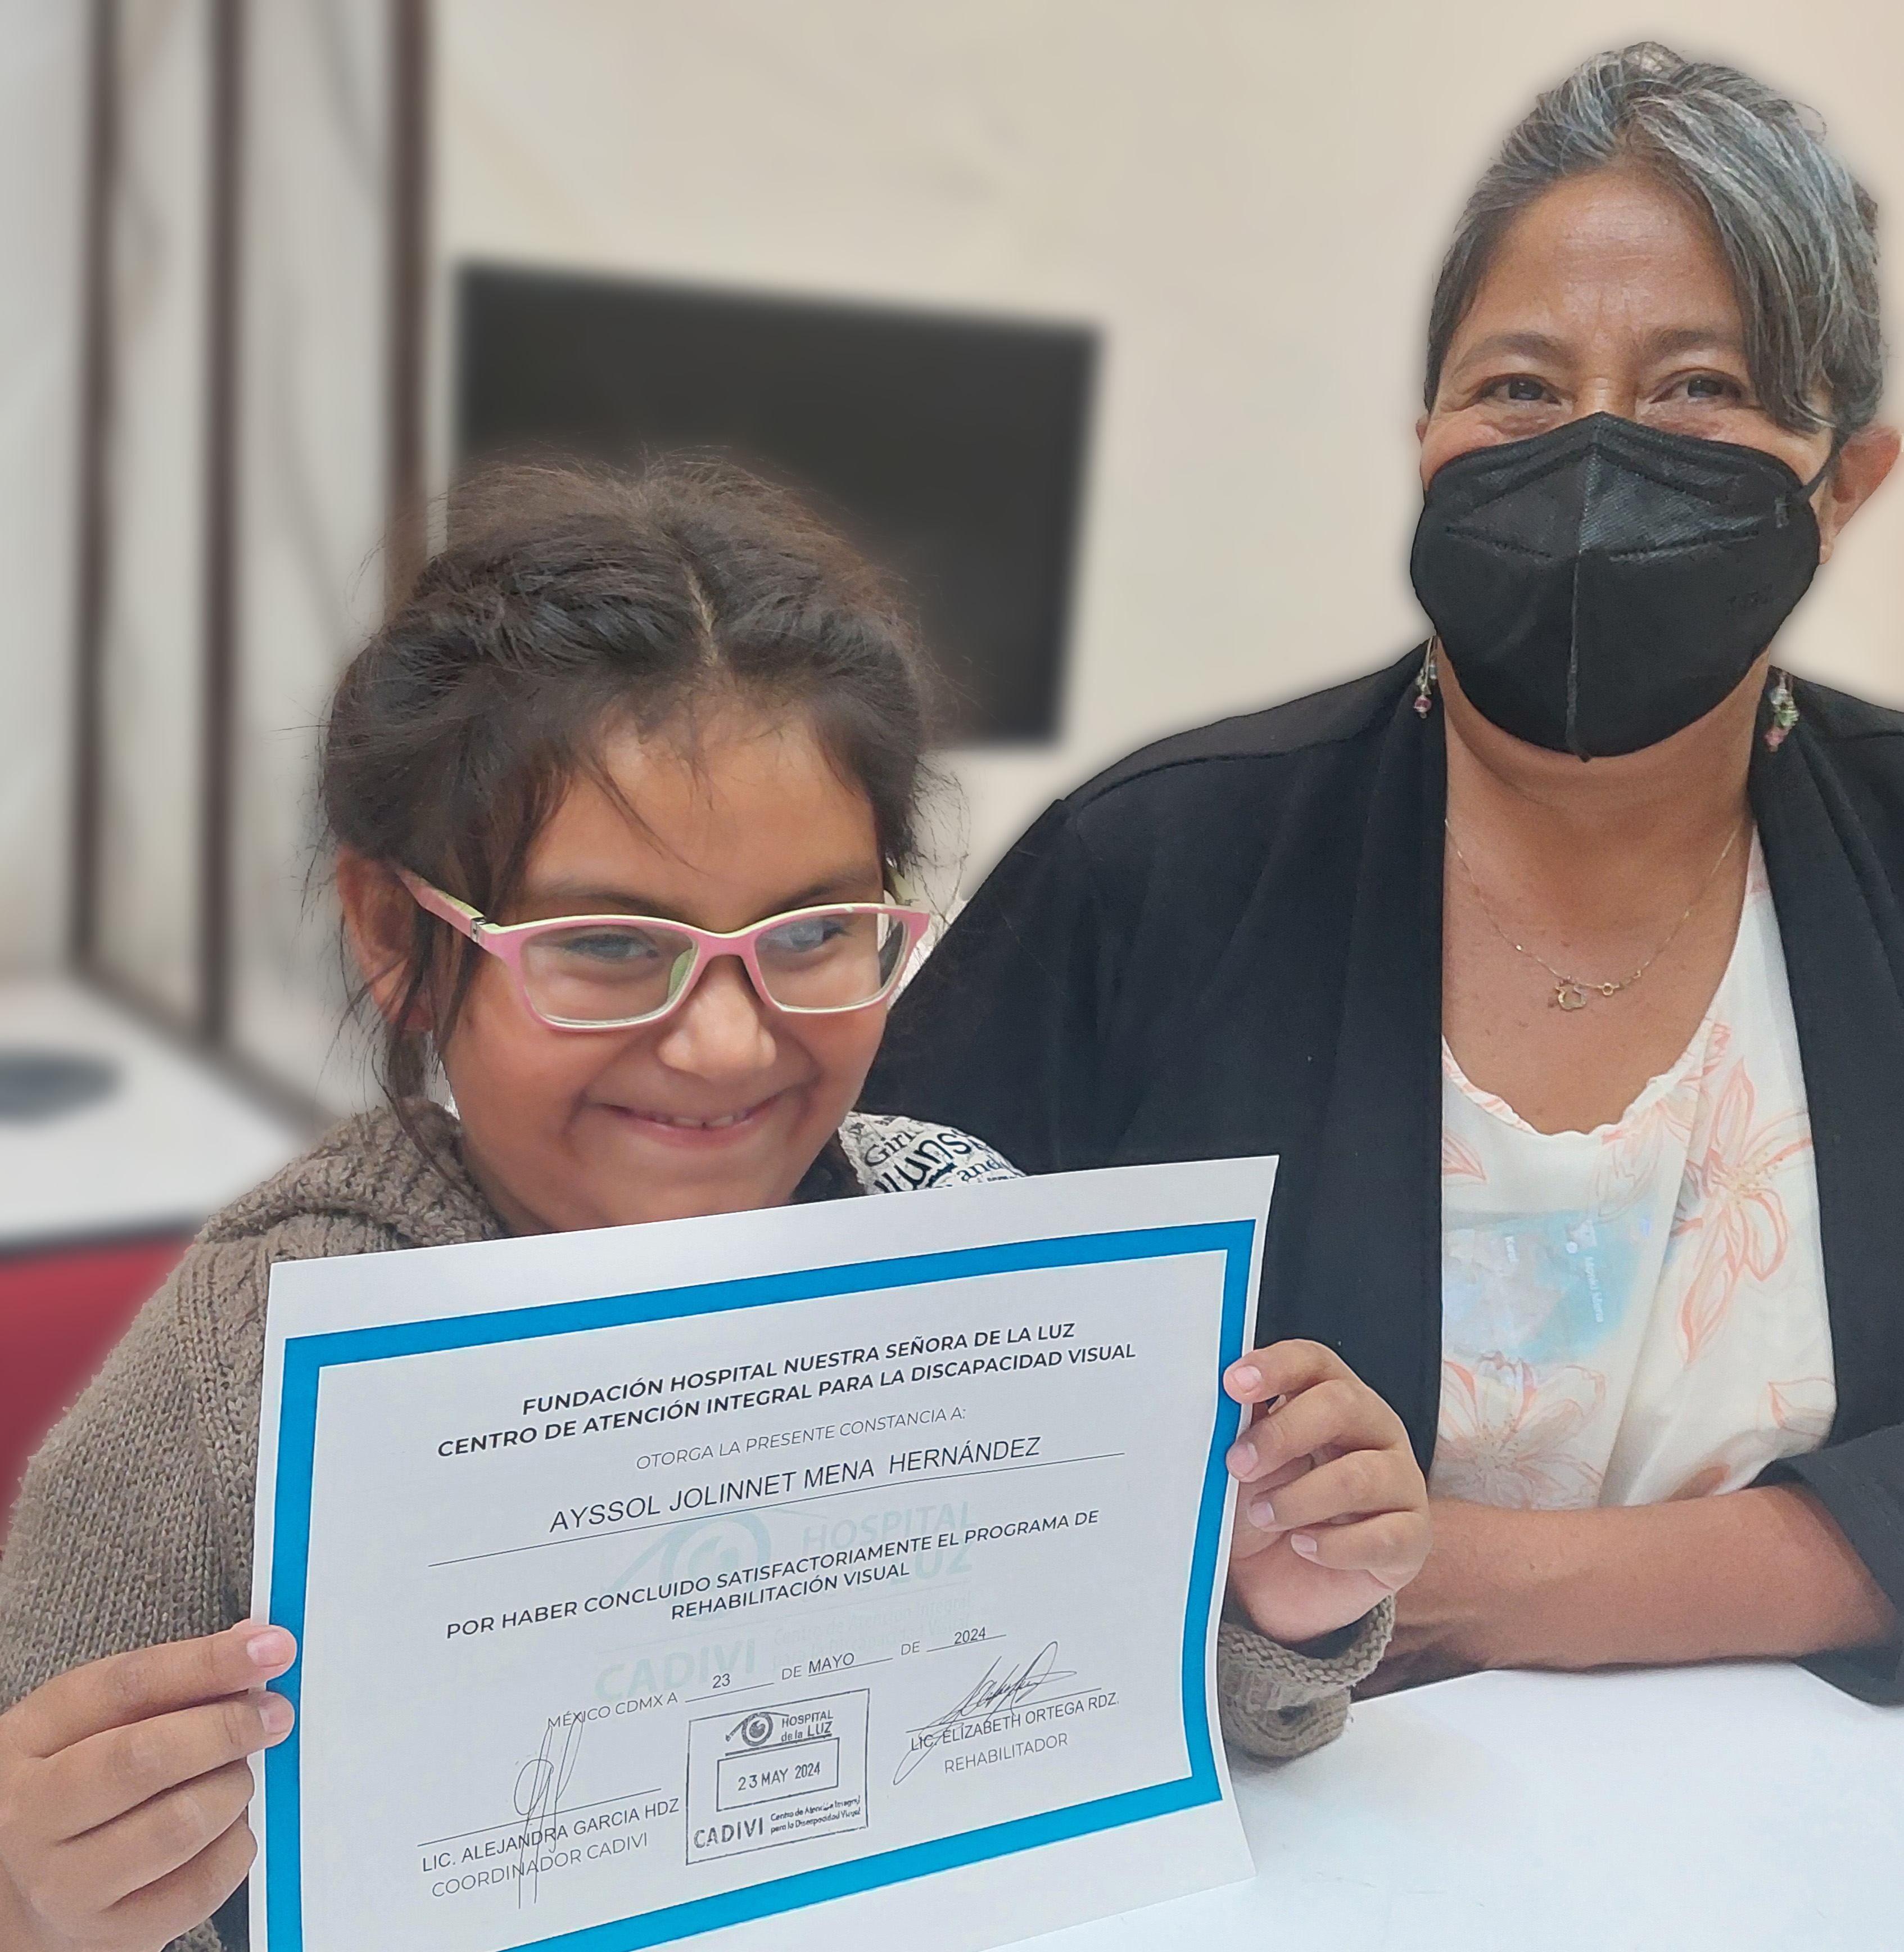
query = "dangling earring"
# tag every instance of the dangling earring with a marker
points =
(1424, 682)
(1784, 712)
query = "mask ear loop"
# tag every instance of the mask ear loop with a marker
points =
(1784, 707)
(1782, 512)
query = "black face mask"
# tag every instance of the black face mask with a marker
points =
(1599, 588)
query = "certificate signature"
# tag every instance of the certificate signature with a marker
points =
(542, 1779)
(995, 1692)
(541, 1782)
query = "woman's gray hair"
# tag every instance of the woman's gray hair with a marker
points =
(1797, 231)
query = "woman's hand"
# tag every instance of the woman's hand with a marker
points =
(1461, 1615)
(1332, 1511)
(1762, 1573)
(122, 1789)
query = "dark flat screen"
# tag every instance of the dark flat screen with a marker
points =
(950, 448)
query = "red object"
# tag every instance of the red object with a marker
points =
(61, 1313)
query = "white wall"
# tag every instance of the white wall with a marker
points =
(1250, 197)
(42, 92)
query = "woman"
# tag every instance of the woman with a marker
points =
(1563, 962)
(604, 704)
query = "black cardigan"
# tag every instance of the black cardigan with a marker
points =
(1230, 943)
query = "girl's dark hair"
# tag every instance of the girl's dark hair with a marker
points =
(571, 602)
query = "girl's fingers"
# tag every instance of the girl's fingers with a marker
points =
(107, 1774)
(146, 1845)
(1389, 1547)
(1243, 1383)
(1342, 1414)
(128, 1687)
(1268, 1481)
(186, 1896)
(1359, 1484)
(1281, 1369)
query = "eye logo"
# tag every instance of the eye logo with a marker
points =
(756, 1731)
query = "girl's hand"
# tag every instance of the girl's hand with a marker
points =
(1331, 1510)
(122, 1789)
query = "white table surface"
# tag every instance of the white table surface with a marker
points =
(1734, 1808)
(173, 1143)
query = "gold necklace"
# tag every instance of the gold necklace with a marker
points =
(1570, 992)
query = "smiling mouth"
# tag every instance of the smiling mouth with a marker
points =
(676, 1121)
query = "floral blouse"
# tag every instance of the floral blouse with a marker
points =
(1638, 1312)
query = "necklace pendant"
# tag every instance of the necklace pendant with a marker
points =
(1569, 996)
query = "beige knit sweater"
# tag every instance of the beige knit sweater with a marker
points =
(135, 1524)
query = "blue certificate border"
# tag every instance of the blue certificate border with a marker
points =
(306, 1358)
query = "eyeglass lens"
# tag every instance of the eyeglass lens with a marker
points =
(603, 972)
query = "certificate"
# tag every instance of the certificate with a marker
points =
(815, 1576)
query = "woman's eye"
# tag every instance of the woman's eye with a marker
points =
(1522, 387)
(1709, 386)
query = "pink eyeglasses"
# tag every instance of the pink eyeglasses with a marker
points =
(611, 972)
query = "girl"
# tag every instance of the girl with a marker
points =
(618, 796)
